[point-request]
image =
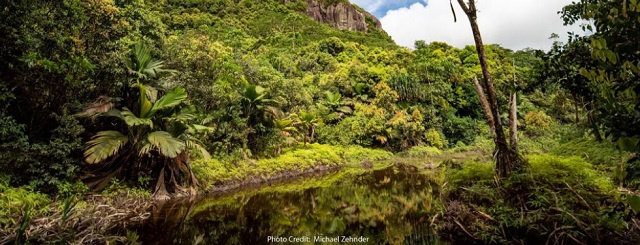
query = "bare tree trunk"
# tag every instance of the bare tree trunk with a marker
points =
(485, 106)
(505, 157)
(513, 122)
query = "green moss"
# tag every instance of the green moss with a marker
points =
(471, 173)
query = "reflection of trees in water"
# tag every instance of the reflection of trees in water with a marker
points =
(394, 205)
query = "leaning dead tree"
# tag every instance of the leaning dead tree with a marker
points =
(507, 158)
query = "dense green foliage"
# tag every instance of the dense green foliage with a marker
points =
(247, 67)
(294, 159)
(555, 199)
(161, 95)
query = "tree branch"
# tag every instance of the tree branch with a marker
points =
(464, 7)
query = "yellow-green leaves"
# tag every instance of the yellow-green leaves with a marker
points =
(103, 145)
(132, 120)
(166, 144)
(145, 104)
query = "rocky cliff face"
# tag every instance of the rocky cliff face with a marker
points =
(343, 16)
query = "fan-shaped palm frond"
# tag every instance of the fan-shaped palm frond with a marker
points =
(145, 103)
(333, 99)
(142, 65)
(196, 145)
(285, 125)
(171, 99)
(133, 120)
(252, 93)
(103, 145)
(307, 121)
(345, 109)
(166, 144)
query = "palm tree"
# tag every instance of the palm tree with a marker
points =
(307, 122)
(254, 101)
(337, 106)
(360, 91)
(286, 127)
(258, 110)
(155, 137)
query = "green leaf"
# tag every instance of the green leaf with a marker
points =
(166, 144)
(145, 104)
(186, 113)
(114, 113)
(103, 145)
(132, 120)
(171, 99)
(345, 109)
(193, 145)
(201, 128)
(634, 203)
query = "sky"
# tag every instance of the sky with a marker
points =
(514, 24)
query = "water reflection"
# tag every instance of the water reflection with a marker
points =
(395, 205)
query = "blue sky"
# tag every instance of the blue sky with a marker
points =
(514, 24)
(380, 7)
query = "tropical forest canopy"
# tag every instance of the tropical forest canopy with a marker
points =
(139, 90)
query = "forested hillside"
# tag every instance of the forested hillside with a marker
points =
(166, 98)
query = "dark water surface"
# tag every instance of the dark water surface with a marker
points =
(394, 205)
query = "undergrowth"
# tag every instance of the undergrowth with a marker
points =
(17, 201)
(555, 200)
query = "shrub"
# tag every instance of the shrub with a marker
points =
(537, 122)
(41, 164)
(14, 201)
(530, 206)
(423, 151)
(433, 138)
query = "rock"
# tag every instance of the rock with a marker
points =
(343, 16)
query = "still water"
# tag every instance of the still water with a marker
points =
(393, 205)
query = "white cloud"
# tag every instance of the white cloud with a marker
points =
(514, 24)
(370, 5)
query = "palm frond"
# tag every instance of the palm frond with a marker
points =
(201, 128)
(171, 99)
(103, 145)
(166, 144)
(152, 93)
(186, 113)
(145, 104)
(193, 144)
(345, 109)
(101, 105)
(133, 120)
